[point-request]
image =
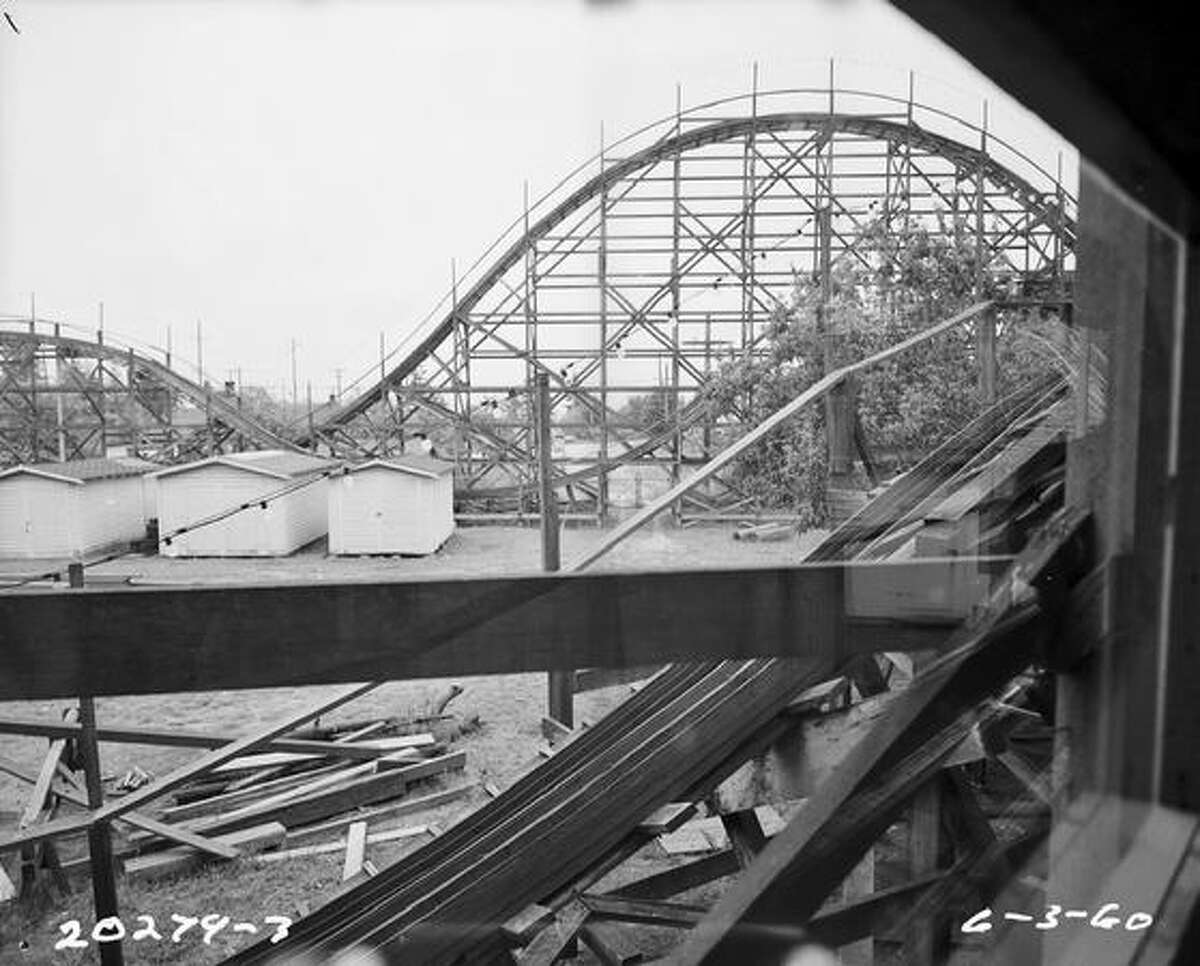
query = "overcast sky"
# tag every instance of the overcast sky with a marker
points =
(308, 169)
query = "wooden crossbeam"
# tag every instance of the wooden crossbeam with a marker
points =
(645, 911)
(662, 885)
(153, 640)
(365, 751)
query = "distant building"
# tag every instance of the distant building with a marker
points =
(74, 509)
(293, 514)
(400, 505)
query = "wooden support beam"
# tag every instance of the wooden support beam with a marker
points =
(644, 911)
(556, 937)
(152, 640)
(174, 861)
(663, 885)
(356, 850)
(923, 842)
(859, 883)
(361, 751)
(746, 836)
(100, 853)
(37, 804)
(560, 685)
(862, 917)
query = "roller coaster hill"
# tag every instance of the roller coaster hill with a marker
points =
(644, 271)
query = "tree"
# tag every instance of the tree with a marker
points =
(896, 278)
(648, 412)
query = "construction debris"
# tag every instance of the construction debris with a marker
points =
(291, 804)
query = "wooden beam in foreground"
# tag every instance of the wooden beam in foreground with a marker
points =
(137, 640)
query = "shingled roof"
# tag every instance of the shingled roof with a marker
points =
(82, 471)
(276, 463)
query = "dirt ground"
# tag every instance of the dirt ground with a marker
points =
(509, 709)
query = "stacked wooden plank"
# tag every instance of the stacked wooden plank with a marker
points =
(289, 800)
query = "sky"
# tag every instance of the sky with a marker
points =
(307, 171)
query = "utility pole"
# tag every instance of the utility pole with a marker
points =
(310, 413)
(295, 384)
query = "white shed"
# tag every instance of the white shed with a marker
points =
(399, 505)
(290, 484)
(73, 509)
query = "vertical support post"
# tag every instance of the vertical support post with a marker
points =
(382, 439)
(530, 301)
(102, 404)
(462, 389)
(561, 692)
(708, 420)
(910, 125)
(295, 382)
(749, 210)
(1059, 206)
(311, 429)
(859, 884)
(671, 407)
(104, 883)
(34, 442)
(602, 279)
(58, 399)
(531, 333)
(923, 841)
(985, 326)
(134, 441)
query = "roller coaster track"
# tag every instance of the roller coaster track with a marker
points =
(1029, 236)
(132, 374)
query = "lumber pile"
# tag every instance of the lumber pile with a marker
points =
(283, 805)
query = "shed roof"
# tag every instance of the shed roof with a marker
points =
(276, 463)
(416, 464)
(81, 471)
